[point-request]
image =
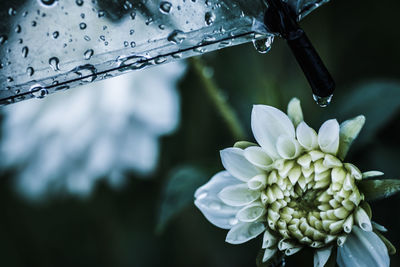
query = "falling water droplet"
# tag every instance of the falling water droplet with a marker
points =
(38, 91)
(209, 18)
(165, 7)
(54, 63)
(323, 101)
(88, 54)
(263, 45)
(30, 71)
(25, 51)
(176, 37)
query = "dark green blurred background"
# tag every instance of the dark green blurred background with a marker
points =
(135, 226)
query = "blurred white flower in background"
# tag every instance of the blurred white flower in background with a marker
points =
(71, 139)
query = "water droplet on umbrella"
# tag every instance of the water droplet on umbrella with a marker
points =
(165, 7)
(79, 2)
(82, 25)
(88, 54)
(55, 34)
(3, 39)
(322, 101)
(38, 91)
(30, 71)
(18, 29)
(54, 63)
(176, 37)
(25, 51)
(48, 3)
(209, 18)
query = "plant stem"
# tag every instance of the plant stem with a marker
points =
(225, 110)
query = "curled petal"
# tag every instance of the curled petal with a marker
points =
(237, 165)
(257, 182)
(349, 131)
(294, 111)
(243, 232)
(307, 136)
(258, 157)
(268, 123)
(269, 240)
(288, 148)
(362, 219)
(251, 213)
(370, 174)
(238, 195)
(208, 202)
(321, 256)
(328, 137)
(363, 249)
(269, 253)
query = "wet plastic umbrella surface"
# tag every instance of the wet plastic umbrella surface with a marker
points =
(52, 45)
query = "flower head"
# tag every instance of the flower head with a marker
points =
(295, 188)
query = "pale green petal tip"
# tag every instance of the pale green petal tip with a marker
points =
(294, 111)
(244, 144)
(349, 131)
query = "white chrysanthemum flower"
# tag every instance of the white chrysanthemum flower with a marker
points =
(71, 139)
(295, 189)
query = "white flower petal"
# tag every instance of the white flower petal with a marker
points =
(243, 232)
(321, 256)
(238, 195)
(349, 131)
(307, 136)
(257, 182)
(237, 165)
(328, 137)
(269, 240)
(379, 227)
(268, 123)
(208, 202)
(363, 249)
(258, 157)
(288, 148)
(269, 253)
(362, 219)
(252, 212)
(294, 111)
(370, 174)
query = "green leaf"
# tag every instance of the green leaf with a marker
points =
(378, 101)
(178, 193)
(378, 189)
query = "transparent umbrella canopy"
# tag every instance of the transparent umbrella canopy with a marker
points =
(52, 45)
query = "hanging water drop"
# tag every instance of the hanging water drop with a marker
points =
(25, 51)
(322, 101)
(176, 37)
(263, 45)
(54, 63)
(165, 7)
(88, 54)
